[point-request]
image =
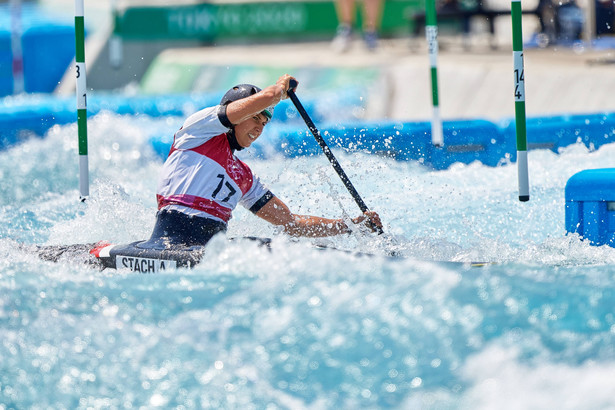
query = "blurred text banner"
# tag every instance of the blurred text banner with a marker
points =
(263, 20)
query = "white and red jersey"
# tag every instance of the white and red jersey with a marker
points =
(203, 177)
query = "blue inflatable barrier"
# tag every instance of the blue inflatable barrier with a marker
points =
(590, 205)
(593, 130)
(399, 140)
(6, 64)
(33, 116)
(411, 141)
(553, 133)
(392, 139)
(20, 120)
(465, 141)
(48, 47)
(47, 52)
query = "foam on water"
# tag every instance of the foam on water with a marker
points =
(300, 327)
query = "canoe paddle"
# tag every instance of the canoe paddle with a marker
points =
(325, 148)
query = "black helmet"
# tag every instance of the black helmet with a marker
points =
(243, 91)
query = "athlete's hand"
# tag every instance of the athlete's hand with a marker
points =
(284, 83)
(370, 219)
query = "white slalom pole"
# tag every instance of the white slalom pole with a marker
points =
(16, 49)
(82, 112)
(115, 42)
(431, 32)
(520, 121)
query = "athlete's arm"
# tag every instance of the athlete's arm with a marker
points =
(277, 213)
(240, 110)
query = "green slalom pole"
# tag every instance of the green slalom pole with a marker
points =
(82, 115)
(431, 32)
(520, 121)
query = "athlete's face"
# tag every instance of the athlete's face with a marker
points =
(248, 131)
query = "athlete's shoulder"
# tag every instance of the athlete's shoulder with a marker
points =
(199, 128)
(208, 115)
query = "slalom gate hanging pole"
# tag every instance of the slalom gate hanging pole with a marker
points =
(82, 115)
(327, 152)
(16, 49)
(115, 41)
(520, 121)
(431, 32)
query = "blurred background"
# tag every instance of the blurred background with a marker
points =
(300, 328)
(171, 58)
(128, 39)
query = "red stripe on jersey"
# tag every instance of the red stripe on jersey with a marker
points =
(198, 203)
(218, 150)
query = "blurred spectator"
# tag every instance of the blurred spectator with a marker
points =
(570, 20)
(372, 10)
(605, 17)
(465, 7)
(448, 6)
(547, 16)
(560, 20)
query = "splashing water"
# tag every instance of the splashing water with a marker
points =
(300, 327)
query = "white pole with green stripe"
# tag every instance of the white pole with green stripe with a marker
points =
(431, 32)
(16, 49)
(82, 115)
(520, 121)
(115, 41)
